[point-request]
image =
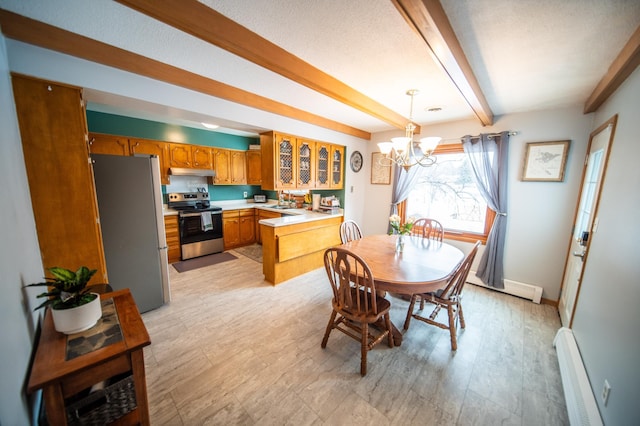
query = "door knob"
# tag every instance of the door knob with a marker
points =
(579, 254)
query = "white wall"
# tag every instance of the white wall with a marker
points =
(19, 261)
(540, 214)
(607, 317)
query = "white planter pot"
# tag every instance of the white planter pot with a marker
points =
(75, 320)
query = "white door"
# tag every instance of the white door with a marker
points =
(586, 219)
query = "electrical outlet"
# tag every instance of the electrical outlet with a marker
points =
(606, 389)
(245, 194)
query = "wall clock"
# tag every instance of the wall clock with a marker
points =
(356, 161)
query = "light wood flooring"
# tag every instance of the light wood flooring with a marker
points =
(232, 349)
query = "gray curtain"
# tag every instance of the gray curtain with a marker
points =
(403, 182)
(489, 160)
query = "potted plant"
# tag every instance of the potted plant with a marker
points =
(73, 307)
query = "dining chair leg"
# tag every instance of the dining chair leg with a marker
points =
(460, 315)
(329, 328)
(410, 312)
(452, 328)
(364, 348)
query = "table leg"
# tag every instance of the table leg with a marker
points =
(54, 404)
(137, 365)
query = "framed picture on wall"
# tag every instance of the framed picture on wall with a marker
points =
(380, 172)
(545, 161)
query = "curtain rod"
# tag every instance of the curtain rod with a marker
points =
(490, 135)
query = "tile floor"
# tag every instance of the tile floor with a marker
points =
(232, 349)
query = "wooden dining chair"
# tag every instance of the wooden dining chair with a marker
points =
(356, 305)
(349, 231)
(448, 298)
(428, 228)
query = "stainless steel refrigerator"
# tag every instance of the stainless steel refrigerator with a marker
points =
(132, 223)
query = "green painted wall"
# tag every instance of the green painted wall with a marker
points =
(111, 124)
(99, 122)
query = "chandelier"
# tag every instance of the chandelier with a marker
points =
(402, 150)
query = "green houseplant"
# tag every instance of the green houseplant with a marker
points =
(73, 306)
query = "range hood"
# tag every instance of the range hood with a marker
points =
(180, 171)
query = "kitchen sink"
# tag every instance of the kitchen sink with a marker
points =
(280, 207)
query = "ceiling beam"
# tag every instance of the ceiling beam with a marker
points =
(625, 63)
(428, 19)
(199, 20)
(37, 33)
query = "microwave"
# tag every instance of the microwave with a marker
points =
(259, 198)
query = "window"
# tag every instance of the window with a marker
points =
(448, 193)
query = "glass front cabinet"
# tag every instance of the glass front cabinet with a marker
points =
(289, 162)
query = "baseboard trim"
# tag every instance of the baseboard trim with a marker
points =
(514, 288)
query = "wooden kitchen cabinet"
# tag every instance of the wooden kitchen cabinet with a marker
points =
(323, 155)
(263, 214)
(329, 166)
(180, 155)
(337, 165)
(238, 165)
(54, 135)
(222, 166)
(278, 163)
(230, 166)
(231, 228)
(108, 144)
(289, 162)
(153, 147)
(172, 233)
(254, 167)
(305, 163)
(238, 228)
(202, 157)
(247, 227)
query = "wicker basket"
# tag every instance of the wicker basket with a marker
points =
(104, 406)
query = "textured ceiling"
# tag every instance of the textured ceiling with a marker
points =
(526, 55)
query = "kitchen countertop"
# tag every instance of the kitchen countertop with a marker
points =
(290, 216)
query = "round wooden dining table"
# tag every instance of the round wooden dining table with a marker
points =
(423, 266)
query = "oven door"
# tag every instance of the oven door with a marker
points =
(191, 229)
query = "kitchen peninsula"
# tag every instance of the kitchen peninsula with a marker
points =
(294, 244)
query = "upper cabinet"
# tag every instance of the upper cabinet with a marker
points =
(152, 147)
(337, 162)
(305, 167)
(119, 145)
(202, 157)
(289, 162)
(329, 166)
(230, 166)
(108, 144)
(180, 155)
(254, 167)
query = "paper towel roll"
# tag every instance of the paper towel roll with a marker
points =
(315, 205)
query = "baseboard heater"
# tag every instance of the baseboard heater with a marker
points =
(514, 288)
(581, 404)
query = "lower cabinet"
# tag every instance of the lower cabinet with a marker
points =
(247, 227)
(238, 228)
(172, 233)
(263, 214)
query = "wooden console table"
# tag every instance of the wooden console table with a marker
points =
(61, 378)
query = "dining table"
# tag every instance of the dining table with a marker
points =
(424, 265)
